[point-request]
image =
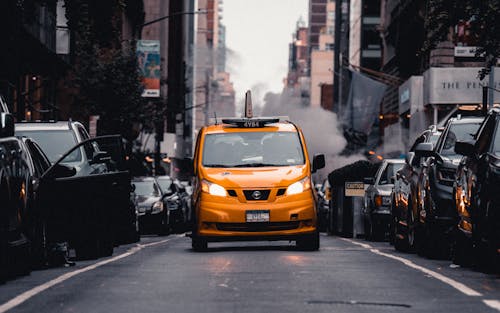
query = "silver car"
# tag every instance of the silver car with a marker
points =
(377, 199)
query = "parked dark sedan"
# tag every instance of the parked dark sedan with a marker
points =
(174, 201)
(477, 196)
(377, 199)
(437, 214)
(404, 197)
(153, 215)
(324, 196)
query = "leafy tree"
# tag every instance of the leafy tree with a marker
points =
(484, 16)
(104, 73)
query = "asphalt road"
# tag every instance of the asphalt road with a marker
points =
(163, 274)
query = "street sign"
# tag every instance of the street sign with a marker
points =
(354, 189)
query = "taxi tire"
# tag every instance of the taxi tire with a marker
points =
(309, 242)
(199, 244)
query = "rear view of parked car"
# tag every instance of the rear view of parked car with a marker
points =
(477, 196)
(377, 200)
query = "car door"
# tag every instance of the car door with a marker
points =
(82, 209)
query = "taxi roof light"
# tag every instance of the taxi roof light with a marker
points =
(249, 121)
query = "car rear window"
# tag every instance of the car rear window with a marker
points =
(54, 143)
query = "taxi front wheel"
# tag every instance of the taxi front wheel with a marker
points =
(309, 242)
(199, 244)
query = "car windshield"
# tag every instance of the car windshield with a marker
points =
(458, 132)
(252, 149)
(54, 143)
(146, 188)
(165, 184)
(389, 173)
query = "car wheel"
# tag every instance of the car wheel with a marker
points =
(39, 251)
(88, 250)
(309, 242)
(367, 228)
(462, 250)
(400, 241)
(199, 244)
(164, 227)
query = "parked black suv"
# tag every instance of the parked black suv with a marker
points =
(477, 196)
(437, 215)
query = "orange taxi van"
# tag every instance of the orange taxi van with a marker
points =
(253, 182)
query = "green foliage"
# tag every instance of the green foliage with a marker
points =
(104, 73)
(485, 22)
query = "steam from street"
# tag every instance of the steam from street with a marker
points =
(321, 129)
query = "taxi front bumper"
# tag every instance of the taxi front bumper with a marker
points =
(224, 219)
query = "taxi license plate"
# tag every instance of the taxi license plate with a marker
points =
(257, 216)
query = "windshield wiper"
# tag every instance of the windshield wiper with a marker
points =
(217, 165)
(257, 165)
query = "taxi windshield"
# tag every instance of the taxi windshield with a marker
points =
(252, 149)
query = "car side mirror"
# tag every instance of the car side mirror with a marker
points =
(318, 162)
(464, 148)
(369, 180)
(61, 171)
(424, 149)
(100, 157)
(6, 125)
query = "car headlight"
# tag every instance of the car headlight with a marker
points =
(157, 207)
(300, 186)
(213, 189)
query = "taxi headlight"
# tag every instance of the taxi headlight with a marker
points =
(157, 207)
(298, 187)
(213, 189)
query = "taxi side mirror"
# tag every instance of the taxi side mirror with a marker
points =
(318, 162)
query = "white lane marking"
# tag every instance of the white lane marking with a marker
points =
(38, 289)
(495, 304)
(453, 283)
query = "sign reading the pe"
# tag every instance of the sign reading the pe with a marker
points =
(354, 189)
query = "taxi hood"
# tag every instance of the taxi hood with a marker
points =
(256, 177)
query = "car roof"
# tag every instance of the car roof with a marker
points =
(466, 120)
(35, 126)
(274, 127)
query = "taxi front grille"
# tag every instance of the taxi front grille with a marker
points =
(257, 195)
(258, 227)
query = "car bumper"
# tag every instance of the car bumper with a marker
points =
(444, 211)
(225, 219)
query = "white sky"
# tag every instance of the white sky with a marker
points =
(259, 31)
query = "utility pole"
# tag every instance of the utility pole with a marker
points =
(491, 85)
(207, 97)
